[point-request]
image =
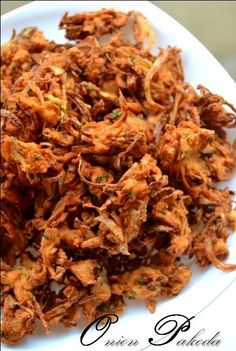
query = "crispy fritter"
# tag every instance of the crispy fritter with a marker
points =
(109, 168)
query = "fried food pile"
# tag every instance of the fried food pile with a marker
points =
(109, 168)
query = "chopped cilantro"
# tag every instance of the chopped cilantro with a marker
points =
(140, 280)
(102, 179)
(115, 114)
(132, 59)
(126, 134)
(186, 135)
(131, 295)
(106, 308)
(20, 268)
(132, 195)
(144, 64)
(103, 307)
(90, 87)
(103, 281)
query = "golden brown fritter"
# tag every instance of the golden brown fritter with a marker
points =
(109, 168)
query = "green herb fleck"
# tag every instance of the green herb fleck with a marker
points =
(132, 195)
(131, 295)
(133, 60)
(126, 134)
(103, 307)
(186, 135)
(45, 237)
(102, 179)
(103, 281)
(20, 268)
(140, 280)
(106, 308)
(90, 87)
(115, 114)
(113, 240)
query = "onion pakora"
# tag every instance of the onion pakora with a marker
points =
(109, 168)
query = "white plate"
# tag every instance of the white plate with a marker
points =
(137, 323)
